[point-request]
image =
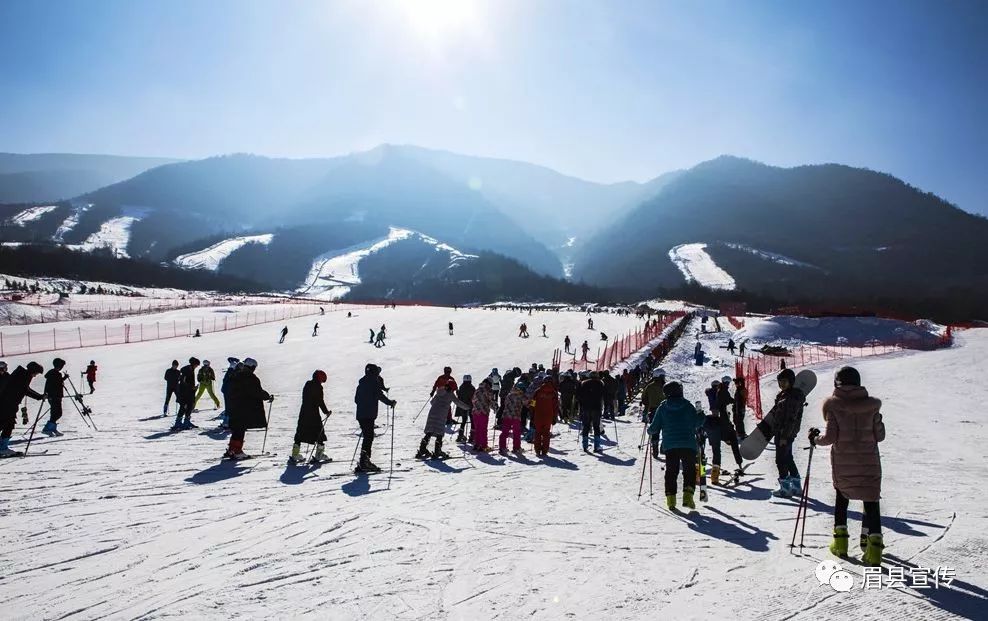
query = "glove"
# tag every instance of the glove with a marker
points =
(65, 376)
(271, 399)
(813, 435)
(394, 403)
(23, 416)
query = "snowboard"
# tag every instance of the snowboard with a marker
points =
(755, 443)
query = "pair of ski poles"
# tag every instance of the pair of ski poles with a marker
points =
(803, 501)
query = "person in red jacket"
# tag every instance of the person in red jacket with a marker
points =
(91, 376)
(546, 413)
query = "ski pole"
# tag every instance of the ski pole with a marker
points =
(421, 409)
(323, 427)
(616, 441)
(650, 469)
(803, 502)
(641, 442)
(641, 484)
(36, 419)
(359, 438)
(391, 468)
(267, 424)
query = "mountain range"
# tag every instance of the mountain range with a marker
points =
(821, 233)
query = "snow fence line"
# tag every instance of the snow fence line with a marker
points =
(37, 341)
(657, 335)
(756, 365)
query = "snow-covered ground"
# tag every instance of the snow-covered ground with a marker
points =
(333, 274)
(771, 256)
(211, 257)
(696, 265)
(114, 233)
(786, 329)
(136, 522)
(70, 222)
(31, 214)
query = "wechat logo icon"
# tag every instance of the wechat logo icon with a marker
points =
(829, 572)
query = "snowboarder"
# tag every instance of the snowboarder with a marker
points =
(284, 333)
(15, 388)
(740, 400)
(483, 401)
(451, 328)
(465, 394)
(586, 348)
(246, 409)
(854, 429)
(91, 376)
(547, 412)
(677, 421)
(172, 378)
(186, 395)
(54, 390)
(787, 414)
(315, 329)
(566, 344)
(435, 427)
(511, 420)
(591, 397)
(310, 428)
(370, 392)
(206, 377)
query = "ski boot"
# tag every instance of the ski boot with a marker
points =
(461, 439)
(596, 446)
(49, 429)
(688, 498)
(715, 475)
(795, 487)
(366, 465)
(296, 456)
(586, 444)
(518, 451)
(703, 493)
(783, 491)
(872, 556)
(671, 501)
(5, 450)
(240, 456)
(178, 424)
(839, 545)
(320, 456)
(423, 451)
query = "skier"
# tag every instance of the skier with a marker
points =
(185, 394)
(235, 365)
(567, 394)
(322, 311)
(740, 400)
(465, 394)
(506, 385)
(544, 335)
(483, 401)
(591, 398)
(652, 394)
(284, 333)
(247, 408)
(744, 344)
(197, 334)
(603, 336)
(206, 377)
(379, 341)
(622, 393)
(172, 378)
(315, 329)
(677, 421)
(522, 331)
(372, 335)
(698, 354)
(854, 429)
(451, 328)
(730, 345)
(585, 347)
(370, 392)
(566, 344)
(589, 323)
(310, 428)
(16, 387)
(441, 381)
(787, 414)
(91, 376)
(434, 423)
(511, 420)
(610, 393)
(495, 378)
(711, 394)
(54, 390)
(547, 412)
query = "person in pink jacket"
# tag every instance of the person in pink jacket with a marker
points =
(483, 401)
(854, 429)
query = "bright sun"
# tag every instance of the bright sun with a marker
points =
(439, 19)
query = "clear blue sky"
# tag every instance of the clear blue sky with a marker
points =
(604, 90)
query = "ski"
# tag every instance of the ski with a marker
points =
(43, 453)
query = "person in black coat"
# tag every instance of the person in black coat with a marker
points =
(590, 394)
(246, 409)
(17, 386)
(370, 392)
(465, 394)
(172, 378)
(310, 428)
(185, 394)
(54, 390)
(235, 365)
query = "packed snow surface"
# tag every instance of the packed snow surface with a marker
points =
(134, 521)
(211, 257)
(31, 214)
(771, 256)
(697, 265)
(334, 273)
(113, 234)
(785, 329)
(70, 222)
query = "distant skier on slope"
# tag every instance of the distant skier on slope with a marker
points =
(677, 421)
(544, 335)
(586, 348)
(566, 344)
(91, 376)
(310, 428)
(370, 392)
(372, 335)
(451, 328)
(16, 387)
(315, 329)
(435, 423)
(284, 333)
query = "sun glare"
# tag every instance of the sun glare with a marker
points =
(439, 19)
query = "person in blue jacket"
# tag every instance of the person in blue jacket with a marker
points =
(677, 421)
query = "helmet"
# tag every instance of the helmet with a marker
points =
(233, 360)
(58, 363)
(660, 372)
(787, 374)
(847, 376)
(715, 383)
(494, 371)
(205, 363)
(447, 370)
(319, 376)
(34, 367)
(467, 378)
(451, 385)
(371, 369)
(194, 361)
(673, 390)
(250, 363)
(725, 380)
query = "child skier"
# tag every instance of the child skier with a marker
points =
(370, 392)
(54, 390)
(483, 401)
(677, 421)
(91, 376)
(284, 333)
(465, 394)
(16, 387)
(315, 329)
(246, 408)
(451, 328)
(206, 377)
(172, 378)
(435, 424)
(854, 429)
(310, 428)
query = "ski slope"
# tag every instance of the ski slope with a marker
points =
(70, 222)
(113, 234)
(696, 265)
(136, 522)
(211, 257)
(31, 214)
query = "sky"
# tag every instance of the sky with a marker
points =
(604, 90)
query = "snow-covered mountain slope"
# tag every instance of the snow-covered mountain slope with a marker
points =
(696, 265)
(113, 234)
(781, 259)
(70, 222)
(333, 274)
(211, 257)
(134, 521)
(31, 214)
